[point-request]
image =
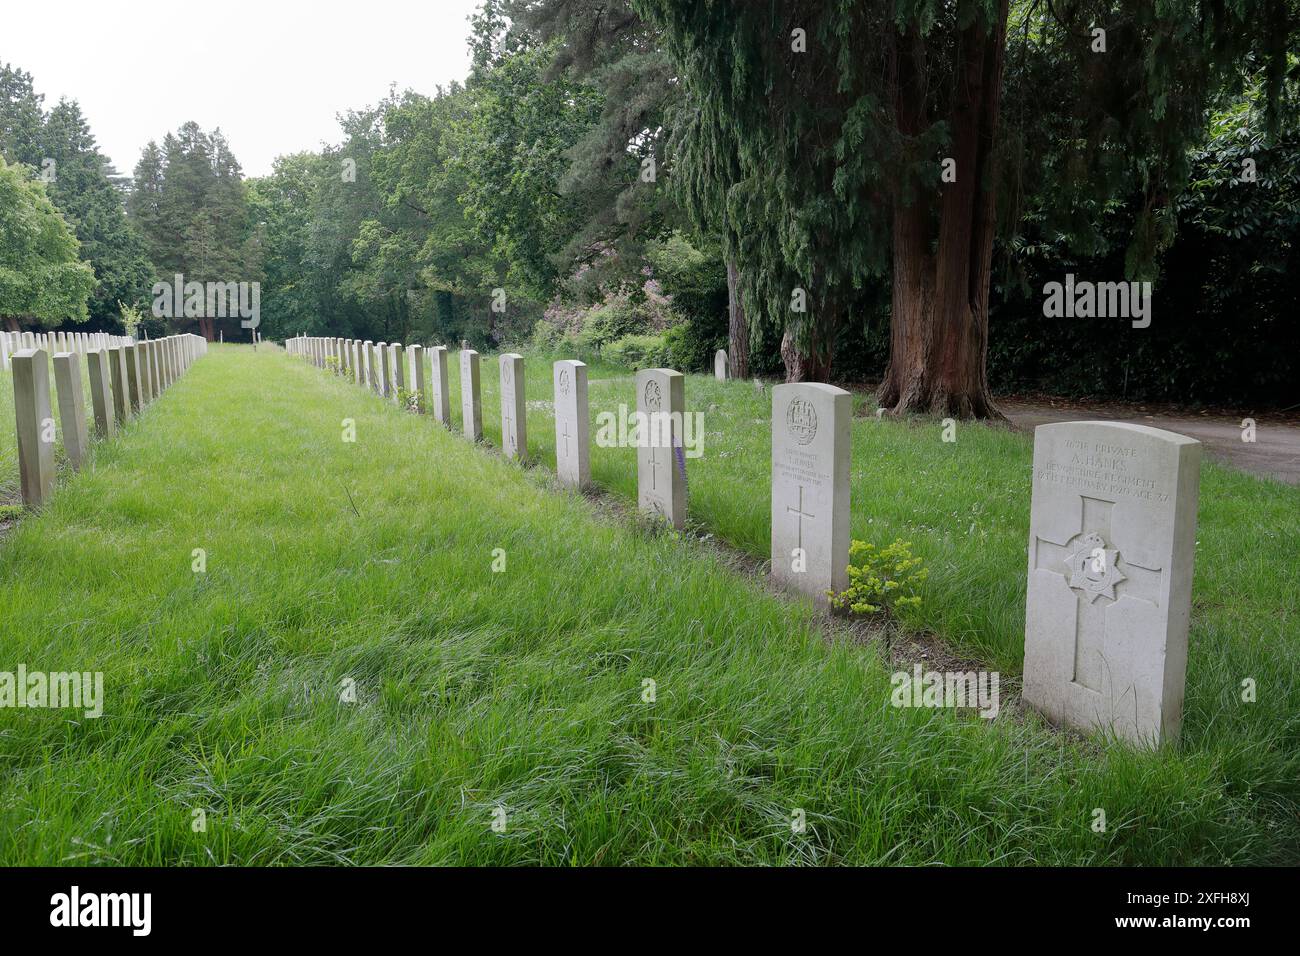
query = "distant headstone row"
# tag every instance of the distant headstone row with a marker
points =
(83, 343)
(1112, 520)
(402, 374)
(124, 376)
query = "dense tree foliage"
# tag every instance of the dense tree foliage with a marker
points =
(823, 130)
(875, 191)
(190, 203)
(58, 147)
(42, 280)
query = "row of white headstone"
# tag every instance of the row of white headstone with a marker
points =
(124, 377)
(402, 374)
(80, 342)
(1112, 521)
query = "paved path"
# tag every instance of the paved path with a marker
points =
(1275, 453)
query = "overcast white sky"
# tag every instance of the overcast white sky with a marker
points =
(272, 74)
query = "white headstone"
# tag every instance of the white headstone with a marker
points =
(72, 405)
(135, 376)
(1112, 537)
(117, 356)
(514, 407)
(34, 424)
(382, 375)
(441, 389)
(720, 365)
(415, 377)
(471, 405)
(572, 423)
(101, 392)
(660, 453)
(811, 442)
(393, 372)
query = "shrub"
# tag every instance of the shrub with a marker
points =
(637, 351)
(611, 322)
(546, 335)
(881, 579)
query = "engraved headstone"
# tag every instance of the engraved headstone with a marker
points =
(101, 392)
(415, 377)
(572, 423)
(514, 407)
(117, 356)
(1112, 537)
(471, 404)
(72, 406)
(383, 377)
(31, 373)
(660, 455)
(394, 374)
(441, 389)
(720, 365)
(134, 378)
(811, 439)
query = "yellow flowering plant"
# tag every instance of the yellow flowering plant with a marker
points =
(881, 579)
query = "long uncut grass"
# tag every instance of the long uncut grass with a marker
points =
(368, 565)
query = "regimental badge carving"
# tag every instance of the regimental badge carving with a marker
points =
(1093, 568)
(564, 381)
(654, 399)
(801, 420)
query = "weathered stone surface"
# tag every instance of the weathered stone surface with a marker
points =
(514, 407)
(35, 425)
(1112, 537)
(415, 380)
(134, 376)
(117, 356)
(146, 375)
(811, 439)
(101, 392)
(72, 406)
(440, 384)
(397, 382)
(660, 454)
(471, 402)
(720, 370)
(572, 423)
(384, 363)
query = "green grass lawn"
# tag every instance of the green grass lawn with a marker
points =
(371, 562)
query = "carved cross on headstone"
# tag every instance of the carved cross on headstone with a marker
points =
(801, 514)
(566, 437)
(1094, 569)
(508, 401)
(654, 465)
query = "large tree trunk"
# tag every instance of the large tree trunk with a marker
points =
(939, 327)
(205, 328)
(737, 326)
(803, 366)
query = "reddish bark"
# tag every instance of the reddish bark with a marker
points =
(737, 325)
(939, 328)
